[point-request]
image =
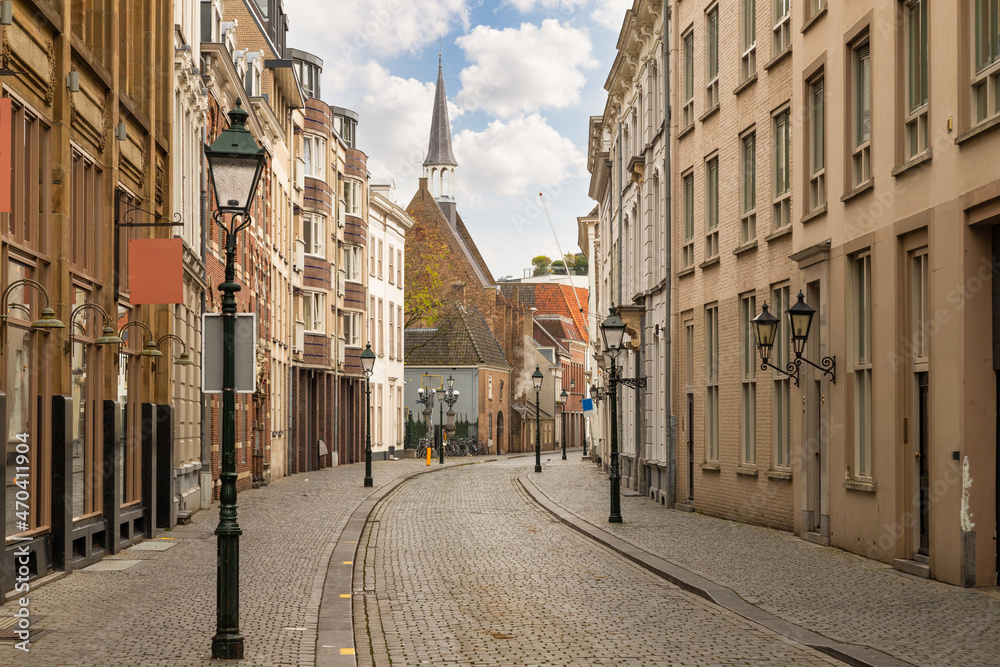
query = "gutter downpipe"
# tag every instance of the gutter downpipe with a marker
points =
(671, 452)
(206, 457)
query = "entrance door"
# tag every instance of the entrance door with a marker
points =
(690, 443)
(814, 461)
(923, 477)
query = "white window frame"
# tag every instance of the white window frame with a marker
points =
(781, 422)
(313, 226)
(748, 381)
(861, 118)
(916, 77)
(817, 142)
(712, 57)
(781, 27)
(781, 176)
(313, 313)
(712, 207)
(688, 111)
(861, 292)
(352, 329)
(748, 39)
(748, 187)
(352, 263)
(687, 253)
(985, 59)
(352, 196)
(920, 304)
(712, 382)
(314, 155)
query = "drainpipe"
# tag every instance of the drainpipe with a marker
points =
(206, 434)
(671, 485)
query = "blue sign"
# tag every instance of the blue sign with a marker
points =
(588, 405)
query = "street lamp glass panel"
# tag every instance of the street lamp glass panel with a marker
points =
(451, 382)
(536, 378)
(800, 316)
(613, 331)
(766, 327)
(368, 360)
(563, 396)
(235, 163)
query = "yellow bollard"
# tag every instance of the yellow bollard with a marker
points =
(428, 456)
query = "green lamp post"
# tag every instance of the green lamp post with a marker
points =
(235, 163)
(563, 397)
(368, 366)
(613, 331)
(536, 380)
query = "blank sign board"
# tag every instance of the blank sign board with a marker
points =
(246, 353)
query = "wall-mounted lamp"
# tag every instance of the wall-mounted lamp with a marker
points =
(800, 318)
(108, 335)
(184, 359)
(73, 82)
(7, 12)
(150, 349)
(46, 322)
(121, 132)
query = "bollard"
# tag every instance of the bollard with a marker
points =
(428, 456)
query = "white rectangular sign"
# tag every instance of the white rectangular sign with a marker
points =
(245, 343)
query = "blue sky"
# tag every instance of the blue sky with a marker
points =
(522, 77)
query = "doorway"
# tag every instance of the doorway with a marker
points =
(690, 447)
(923, 476)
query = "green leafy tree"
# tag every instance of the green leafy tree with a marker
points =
(541, 264)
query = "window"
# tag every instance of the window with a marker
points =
(748, 381)
(817, 144)
(689, 354)
(781, 37)
(712, 383)
(86, 212)
(380, 253)
(352, 263)
(381, 330)
(781, 397)
(712, 208)
(688, 114)
(399, 332)
(30, 182)
(921, 305)
(712, 57)
(915, 26)
(392, 263)
(782, 206)
(748, 38)
(371, 256)
(371, 325)
(352, 197)
(312, 234)
(748, 187)
(352, 329)
(814, 7)
(862, 296)
(861, 89)
(392, 330)
(986, 42)
(312, 311)
(687, 258)
(489, 384)
(399, 268)
(314, 154)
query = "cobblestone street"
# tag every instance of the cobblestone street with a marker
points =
(462, 568)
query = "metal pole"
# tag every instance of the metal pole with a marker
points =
(538, 434)
(227, 644)
(614, 475)
(441, 423)
(564, 433)
(368, 431)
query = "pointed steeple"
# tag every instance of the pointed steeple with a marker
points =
(439, 151)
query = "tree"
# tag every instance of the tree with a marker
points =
(541, 264)
(425, 295)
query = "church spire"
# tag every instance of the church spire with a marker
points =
(439, 166)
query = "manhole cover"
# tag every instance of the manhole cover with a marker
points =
(152, 546)
(111, 566)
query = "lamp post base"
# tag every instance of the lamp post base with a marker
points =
(227, 647)
(614, 519)
(368, 482)
(538, 468)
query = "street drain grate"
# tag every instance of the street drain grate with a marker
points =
(152, 546)
(111, 566)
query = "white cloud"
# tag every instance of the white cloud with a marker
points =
(515, 157)
(611, 13)
(525, 69)
(395, 123)
(526, 6)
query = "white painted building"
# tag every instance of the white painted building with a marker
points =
(388, 224)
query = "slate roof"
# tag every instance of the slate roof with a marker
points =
(439, 148)
(462, 340)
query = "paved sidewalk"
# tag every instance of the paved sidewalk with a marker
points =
(161, 611)
(841, 596)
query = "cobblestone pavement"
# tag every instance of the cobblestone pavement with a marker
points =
(460, 567)
(839, 595)
(162, 611)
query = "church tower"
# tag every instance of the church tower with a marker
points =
(439, 167)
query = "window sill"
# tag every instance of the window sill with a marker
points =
(746, 84)
(857, 485)
(812, 20)
(978, 130)
(778, 58)
(711, 467)
(709, 262)
(686, 131)
(783, 475)
(808, 217)
(777, 234)
(747, 472)
(708, 114)
(927, 156)
(686, 272)
(860, 190)
(746, 247)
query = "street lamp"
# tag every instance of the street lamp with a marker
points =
(562, 401)
(449, 396)
(613, 332)
(235, 163)
(800, 318)
(47, 322)
(536, 380)
(572, 390)
(368, 365)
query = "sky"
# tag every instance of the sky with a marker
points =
(522, 78)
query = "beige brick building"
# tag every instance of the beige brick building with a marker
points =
(841, 151)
